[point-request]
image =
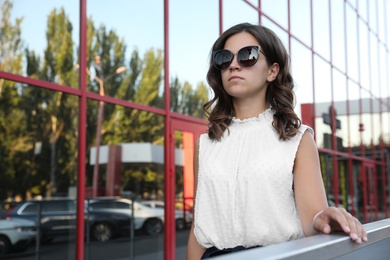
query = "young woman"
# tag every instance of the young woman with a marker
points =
(257, 171)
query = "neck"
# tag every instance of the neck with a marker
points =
(244, 112)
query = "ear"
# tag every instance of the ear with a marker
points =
(273, 72)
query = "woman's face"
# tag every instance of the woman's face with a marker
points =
(246, 82)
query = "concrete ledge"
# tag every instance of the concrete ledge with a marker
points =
(324, 246)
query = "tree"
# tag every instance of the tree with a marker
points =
(11, 44)
(144, 81)
(186, 100)
(14, 140)
(58, 67)
(128, 87)
(199, 97)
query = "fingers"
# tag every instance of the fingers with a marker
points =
(354, 227)
(326, 229)
(338, 219)
(347, 224)
(358, 233)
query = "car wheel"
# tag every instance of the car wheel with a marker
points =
(5, 245)
(180, 224)
(101, 232)
(153, 226)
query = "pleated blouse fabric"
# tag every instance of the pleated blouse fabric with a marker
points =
(245, 186)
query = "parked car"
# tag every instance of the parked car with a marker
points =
(183, 218)
(16, 235)
(149, 220)
(58, 218)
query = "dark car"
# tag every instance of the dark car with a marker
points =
(146, 219)
(58, 218)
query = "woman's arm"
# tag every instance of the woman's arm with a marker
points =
(315, 214)
(194, 250)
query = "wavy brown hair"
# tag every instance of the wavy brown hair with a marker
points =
(280, 95)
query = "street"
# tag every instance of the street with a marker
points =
(145, 247)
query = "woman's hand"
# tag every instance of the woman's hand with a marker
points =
(338, 219)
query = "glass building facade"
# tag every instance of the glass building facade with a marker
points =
(103, 99)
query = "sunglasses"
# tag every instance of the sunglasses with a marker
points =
(246, 57)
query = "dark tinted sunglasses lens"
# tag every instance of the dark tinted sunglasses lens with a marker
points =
(222, 59)
(248, 56)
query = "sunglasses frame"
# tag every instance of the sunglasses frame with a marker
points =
(259, 50)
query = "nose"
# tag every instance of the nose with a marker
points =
(234, 65)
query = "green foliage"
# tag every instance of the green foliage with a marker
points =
(127, 90)
(33, 63)
(15, 140)
(186, 100)
(58, 56)
(11, 44)
(145, 78)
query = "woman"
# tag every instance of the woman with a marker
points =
(257, 171)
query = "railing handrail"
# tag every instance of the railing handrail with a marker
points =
(316, 247)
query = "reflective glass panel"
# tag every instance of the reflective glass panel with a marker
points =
(385, 125)
(283, 36)
(184, 152)
(301, 66)
(372, 15)
(340, 119)
(384, 80)
(233, 10)
(376, 124)
(321, 28)
(338, 34)
(366, 120)
(189, 58)
(125, 49)
(374, 66)
(278, 13)
(382, 16)
(356, 128)
(125, 180)
(39, 141)
(362, 9)
(323, 97)
(351, 38)
(364, 53)
(47, 45)
(301, 20)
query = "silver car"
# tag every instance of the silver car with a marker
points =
(183, 218)
(16, 235)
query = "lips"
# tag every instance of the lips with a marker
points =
(234, 77)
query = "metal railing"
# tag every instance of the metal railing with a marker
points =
(333, 246)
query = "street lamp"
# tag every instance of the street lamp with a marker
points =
(99, 123)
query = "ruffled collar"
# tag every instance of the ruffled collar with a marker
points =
(260, 116)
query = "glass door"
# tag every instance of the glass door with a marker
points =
(185, 135)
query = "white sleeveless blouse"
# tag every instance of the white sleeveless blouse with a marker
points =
(244, 192)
